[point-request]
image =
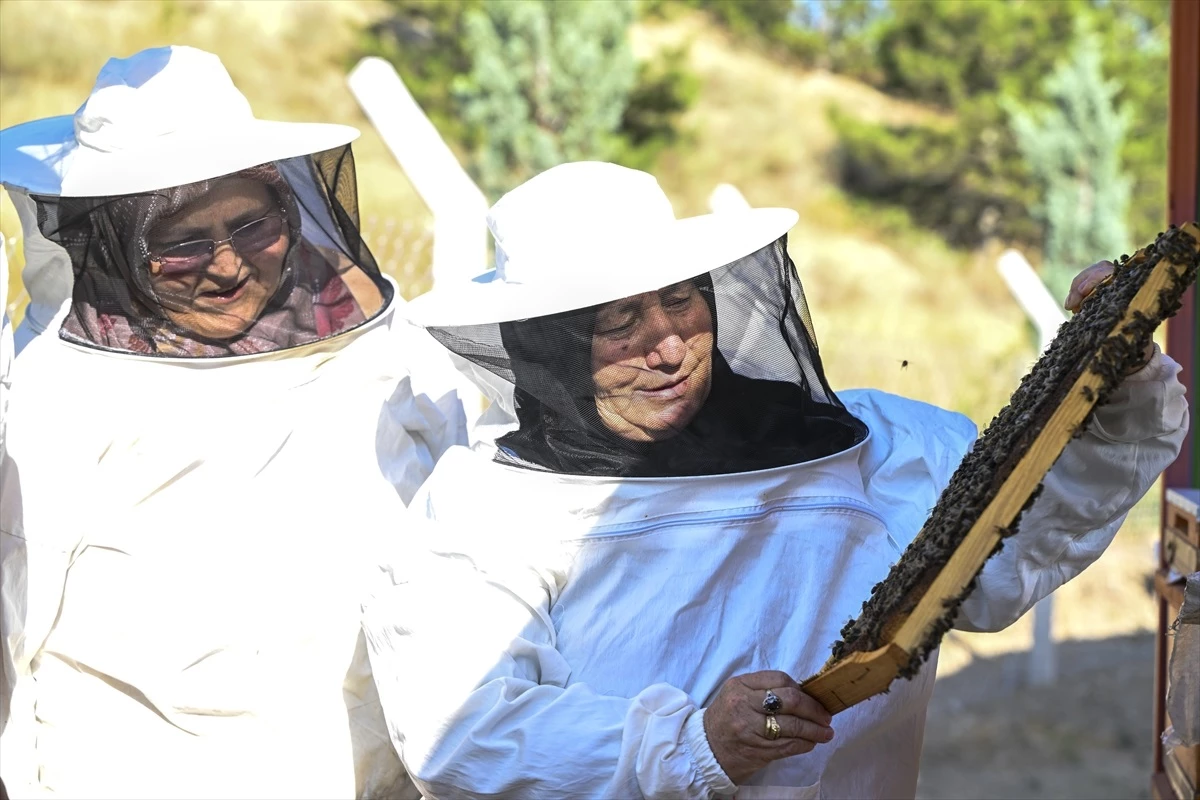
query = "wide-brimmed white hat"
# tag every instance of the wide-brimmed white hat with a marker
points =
(163, 117)
(585, 233)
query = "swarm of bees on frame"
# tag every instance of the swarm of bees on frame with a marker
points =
(1088, 341)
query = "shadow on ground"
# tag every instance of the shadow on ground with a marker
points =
(1086, 736)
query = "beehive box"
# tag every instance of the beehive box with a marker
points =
(1181, 534)
(1181, 541)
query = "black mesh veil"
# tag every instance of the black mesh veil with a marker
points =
(716, 374)
(260, 260)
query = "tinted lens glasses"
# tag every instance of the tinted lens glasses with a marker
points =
(195, 256)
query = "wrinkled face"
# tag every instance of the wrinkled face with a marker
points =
(218, 290)
(652, 362)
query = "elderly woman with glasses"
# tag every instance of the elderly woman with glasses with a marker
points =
(218, 267)
(205, 462)
(618, 595)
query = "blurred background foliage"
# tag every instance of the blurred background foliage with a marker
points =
(960, 173)
(529, 84)
(917, 138)
(967, 179)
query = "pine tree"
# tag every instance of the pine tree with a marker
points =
(549, 83)
(1073, 148)
(426, 41)
(423, 39)
(964, 175)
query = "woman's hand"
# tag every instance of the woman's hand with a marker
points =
(1085, 284)
(736, 723)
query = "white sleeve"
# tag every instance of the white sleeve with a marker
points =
(434, 376)
(17, 758)
(1085, 496)
(423, 417)
(479, 704)
(12, 557)
(32, 576)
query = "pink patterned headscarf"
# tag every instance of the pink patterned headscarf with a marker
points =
(115, 306)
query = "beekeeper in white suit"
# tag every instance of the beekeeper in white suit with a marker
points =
(619, 596)
(207, 448)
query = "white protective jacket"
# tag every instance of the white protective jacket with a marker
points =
(564, 634)
(185, 548)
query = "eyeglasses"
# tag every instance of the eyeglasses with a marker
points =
(194, 256)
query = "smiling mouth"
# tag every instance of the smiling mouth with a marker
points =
(227, 295)
(668, 392)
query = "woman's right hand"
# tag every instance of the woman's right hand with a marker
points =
(736, 723)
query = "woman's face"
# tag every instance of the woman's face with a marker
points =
(652, 362)
(218, 292)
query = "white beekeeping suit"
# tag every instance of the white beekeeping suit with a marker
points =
(208, 448)
(684, 516)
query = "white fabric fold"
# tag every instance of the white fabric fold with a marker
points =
(696, 741)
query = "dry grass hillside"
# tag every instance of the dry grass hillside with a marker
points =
(879, 297)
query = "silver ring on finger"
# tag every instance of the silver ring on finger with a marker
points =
(771, 703)
(773, 729)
